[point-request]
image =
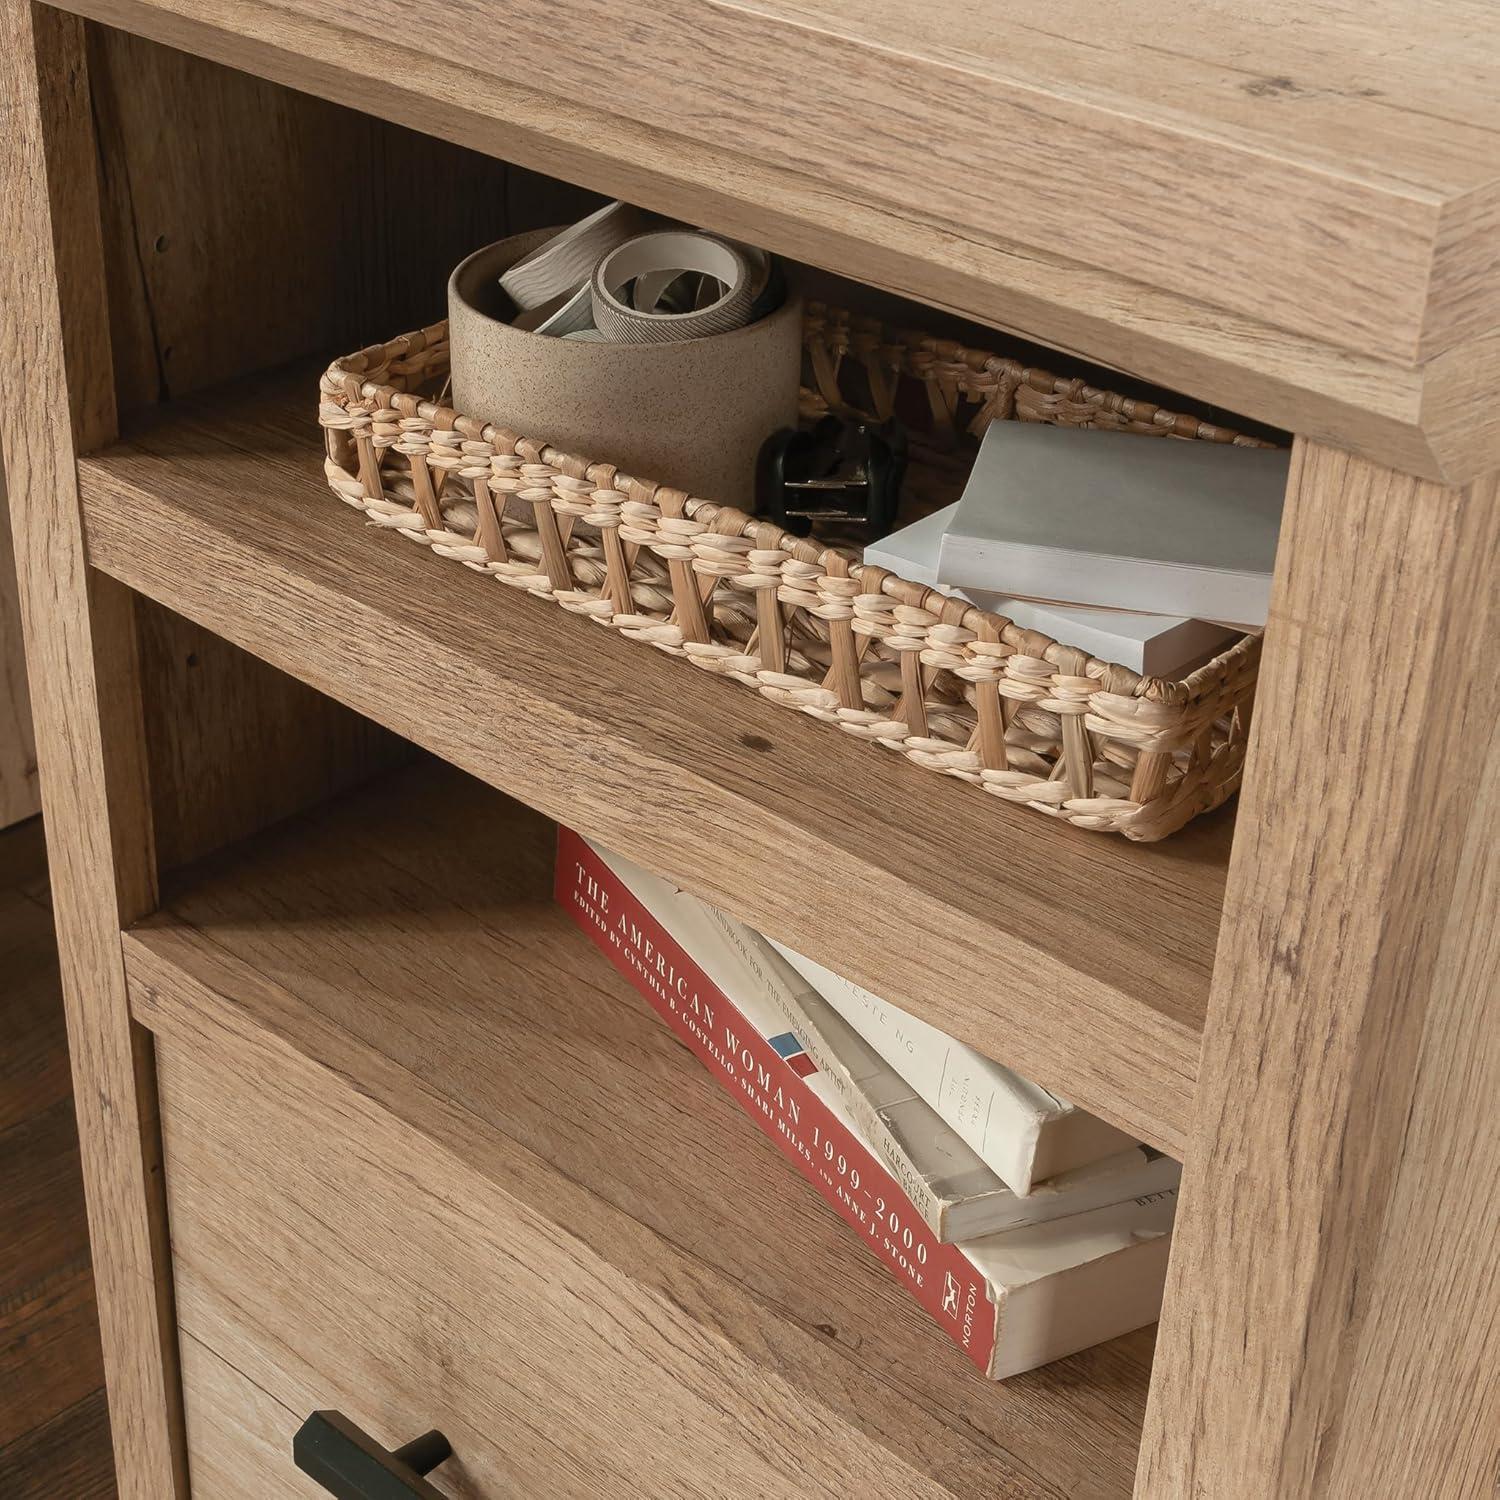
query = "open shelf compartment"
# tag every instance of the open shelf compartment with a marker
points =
(403, 939)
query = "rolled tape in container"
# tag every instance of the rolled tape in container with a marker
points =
(682, 396)
(566, 261)
(651, 263)
(575, 285)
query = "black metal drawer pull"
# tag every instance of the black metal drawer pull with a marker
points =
(351, 1465)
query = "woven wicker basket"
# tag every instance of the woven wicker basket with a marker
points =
(953, 688)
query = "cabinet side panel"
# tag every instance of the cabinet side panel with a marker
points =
(1332, 1325)
(80, 649)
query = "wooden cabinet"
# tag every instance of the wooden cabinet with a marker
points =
(365, 1125)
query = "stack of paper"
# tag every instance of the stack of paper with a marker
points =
(1143, 551)
(1154, 645)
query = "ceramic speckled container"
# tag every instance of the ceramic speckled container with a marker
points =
(692, 414)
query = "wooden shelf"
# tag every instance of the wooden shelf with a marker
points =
(1080, 959)
(405, 939)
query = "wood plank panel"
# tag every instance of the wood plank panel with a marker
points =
(1432, 417)
(246, 224)
(80, 649)
(33, 1039)
(674, 770)
(1156, 167)
(235, 745)
(434, 1301)
(68, 1456)
(239, 1436)
(49, 1341)
(216, 189)
(49, 1328)
(1332, 1326)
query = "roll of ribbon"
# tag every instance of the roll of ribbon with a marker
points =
(567, 315)
(565, 262)
(651, 263)
(574, 285)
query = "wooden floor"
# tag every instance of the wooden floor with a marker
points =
(54, 1430)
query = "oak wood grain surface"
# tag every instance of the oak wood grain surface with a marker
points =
(1332, 1325)
(391, 980)
(232, 213)
(235, 745)
(1181, 172)
(238, 1433)
(1289, 213)
(214, 190)
(1104, 1004)
(90, 741)
(1206, 221)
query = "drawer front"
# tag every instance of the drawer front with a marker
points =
(239, 1436)
(329, 1255)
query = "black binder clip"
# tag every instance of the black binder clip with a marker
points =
(844, 472)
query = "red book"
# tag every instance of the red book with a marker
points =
(774, 1090)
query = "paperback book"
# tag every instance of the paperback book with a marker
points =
(1023, 1132)
(956, 1195)
(947, 1180)
(1011, 1300)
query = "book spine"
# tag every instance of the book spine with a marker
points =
(759, 962)
(770, 1092)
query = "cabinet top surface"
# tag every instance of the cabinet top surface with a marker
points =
(1333, 168)
(1288, 210)
(1375, 90)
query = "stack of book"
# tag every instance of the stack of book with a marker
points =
(1148, 552)
(1028, 1228)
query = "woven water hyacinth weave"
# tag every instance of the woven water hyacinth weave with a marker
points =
(953, 688)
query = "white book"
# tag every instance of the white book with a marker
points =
(1154, 645)
(1082, 1260)
(957, 1193)
(1120, 521)
(1072, 1283)
(1025, 1134)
